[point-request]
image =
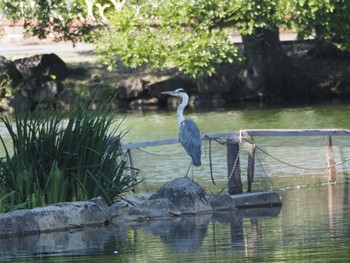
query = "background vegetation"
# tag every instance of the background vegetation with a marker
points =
(195, 36)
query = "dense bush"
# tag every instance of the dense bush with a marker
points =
(55, 159)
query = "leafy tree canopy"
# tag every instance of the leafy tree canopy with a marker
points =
(193, 34)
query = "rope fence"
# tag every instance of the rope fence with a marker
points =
(280, 161)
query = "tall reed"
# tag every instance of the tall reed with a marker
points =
(56, 159)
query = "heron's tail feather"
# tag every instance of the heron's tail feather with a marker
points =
(196, 161)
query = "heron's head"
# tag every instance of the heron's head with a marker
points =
(178, 93)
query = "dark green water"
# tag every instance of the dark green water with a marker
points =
(312, 225)
(160, 164)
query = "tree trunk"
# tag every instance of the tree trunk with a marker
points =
(269, 73)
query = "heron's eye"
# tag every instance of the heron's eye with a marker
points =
(180, 91)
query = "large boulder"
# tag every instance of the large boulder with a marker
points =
(184, 194)
(130, 89)
(178, 197)
(42, 80)
(41, 66)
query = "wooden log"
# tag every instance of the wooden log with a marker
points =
(135, 145)
(246, 133)
(133, 172)
(233, 167)
(332, 173)
(251, 166)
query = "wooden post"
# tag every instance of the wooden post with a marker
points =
(251, 164)
(132, 171)
(233, 167)
(332, 173)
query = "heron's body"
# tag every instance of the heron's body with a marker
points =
(189, 134)
(190, 139)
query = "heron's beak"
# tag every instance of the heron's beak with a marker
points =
(166, 92)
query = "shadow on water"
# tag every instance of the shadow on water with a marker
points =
(180, 235)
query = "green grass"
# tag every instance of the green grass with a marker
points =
(56, 159)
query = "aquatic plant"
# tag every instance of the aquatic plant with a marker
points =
(56, 159)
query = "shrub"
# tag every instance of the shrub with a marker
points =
(56, 159)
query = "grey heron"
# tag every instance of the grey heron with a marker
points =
(189, 134)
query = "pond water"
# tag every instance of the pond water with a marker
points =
(312, 225)
(281, 161)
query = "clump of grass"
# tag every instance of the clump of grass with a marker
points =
(56, 159)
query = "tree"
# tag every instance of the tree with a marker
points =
(64, 20)
(195, 35)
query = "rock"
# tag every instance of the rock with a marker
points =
(186, 195)
(176, 199)
(130, 88)
(42, 80)
(137, 198)
(327, 50)
(209, 99)
(10, 77)
(46, 65)
(163, 205)
(139, 208)
(172, 83)
(61, 216)
(151, 209)
(43, 92)
(8, 69)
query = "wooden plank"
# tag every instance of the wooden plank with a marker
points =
(245, 133)
(332, 173)
(225, 135)
(251, 166)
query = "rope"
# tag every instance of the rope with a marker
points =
(234, 166)
(211, 164)
(297, 166)
(264, 171)
(160, 154)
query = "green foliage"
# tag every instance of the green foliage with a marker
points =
(6, 87)
(192, 35)
(58, 160)
(169, 33)
(327, 20)
(56, 18)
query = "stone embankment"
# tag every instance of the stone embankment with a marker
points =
(177, 198)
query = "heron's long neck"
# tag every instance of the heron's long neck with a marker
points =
(180, 109)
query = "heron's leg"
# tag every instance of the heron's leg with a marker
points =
(189, 167)
(192, 170)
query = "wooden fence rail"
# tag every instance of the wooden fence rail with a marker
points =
(234, 138)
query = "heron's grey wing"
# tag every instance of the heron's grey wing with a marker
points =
(190, 138)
